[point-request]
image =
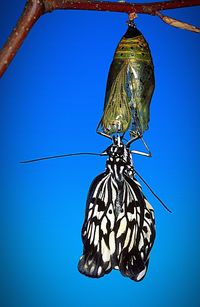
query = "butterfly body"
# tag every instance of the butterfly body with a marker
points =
(119, 228)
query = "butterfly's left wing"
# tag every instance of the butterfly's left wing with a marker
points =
(97, 232)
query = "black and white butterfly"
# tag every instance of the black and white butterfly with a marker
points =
(119, 226)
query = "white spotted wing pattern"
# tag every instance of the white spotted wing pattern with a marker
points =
(119, 227)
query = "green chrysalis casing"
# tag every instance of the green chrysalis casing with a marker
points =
(130, 86)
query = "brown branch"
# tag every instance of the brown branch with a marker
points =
(32, 11)
(35, 8)
(123, 7)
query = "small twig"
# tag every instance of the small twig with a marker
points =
(177, 23)
(35, 8)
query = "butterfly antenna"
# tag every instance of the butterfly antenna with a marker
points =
(158, 198)
(62, 156)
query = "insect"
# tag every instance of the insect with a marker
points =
(119, 227)
(130, 86)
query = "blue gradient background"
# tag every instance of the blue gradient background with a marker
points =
(51, 99)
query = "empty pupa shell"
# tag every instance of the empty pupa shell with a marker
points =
(130, 86)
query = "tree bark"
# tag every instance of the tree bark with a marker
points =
(35, 8)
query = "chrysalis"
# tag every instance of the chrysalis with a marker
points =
(130, 86)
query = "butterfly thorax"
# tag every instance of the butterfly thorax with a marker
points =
(119, 162)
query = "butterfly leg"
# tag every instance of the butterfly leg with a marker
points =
(146, 154)
(102, 133)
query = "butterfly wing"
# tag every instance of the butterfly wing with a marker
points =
(122, 241)
(138, 236)
(98, 228)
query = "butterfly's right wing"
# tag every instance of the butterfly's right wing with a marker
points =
(138, 237)
(98, 228)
